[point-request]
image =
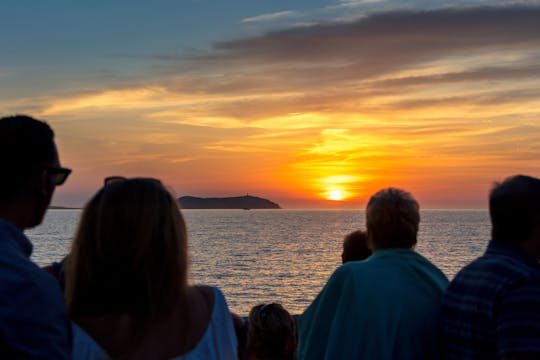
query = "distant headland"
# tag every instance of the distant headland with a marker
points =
(238, 202)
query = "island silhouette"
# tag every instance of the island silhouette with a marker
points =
(237, 202)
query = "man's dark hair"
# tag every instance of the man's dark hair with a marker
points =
(514, 208)
(26, 146)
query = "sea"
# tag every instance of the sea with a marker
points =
(284, 256)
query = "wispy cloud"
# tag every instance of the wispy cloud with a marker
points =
(356, 3)
(270, 17)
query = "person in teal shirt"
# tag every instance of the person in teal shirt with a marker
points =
(385, 307)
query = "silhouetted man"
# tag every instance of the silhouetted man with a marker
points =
(33, 319)
(492, 307)
(384, 307)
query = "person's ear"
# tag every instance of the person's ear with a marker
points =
(37, 185)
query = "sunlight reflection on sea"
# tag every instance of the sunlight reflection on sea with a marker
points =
(281, 255)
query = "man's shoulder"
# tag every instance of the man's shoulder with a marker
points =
(33, 318)
(22, 280)
(352, 267)
(360, 270)
(493, 274)
(503, 267)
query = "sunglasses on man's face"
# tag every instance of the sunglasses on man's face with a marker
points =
(58, 174)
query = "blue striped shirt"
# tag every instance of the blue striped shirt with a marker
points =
(492, 307)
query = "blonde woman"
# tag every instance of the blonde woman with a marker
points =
(126, 282)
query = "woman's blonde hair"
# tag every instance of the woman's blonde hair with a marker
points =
(129, 255)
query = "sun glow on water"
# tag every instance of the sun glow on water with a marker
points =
(292, 280)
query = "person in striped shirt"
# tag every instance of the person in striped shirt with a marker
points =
(491, 310)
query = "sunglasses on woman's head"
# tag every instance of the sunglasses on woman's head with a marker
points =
(113, 179)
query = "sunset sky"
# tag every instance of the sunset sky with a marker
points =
(312, 104)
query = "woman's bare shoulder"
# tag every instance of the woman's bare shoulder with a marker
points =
(202, 295)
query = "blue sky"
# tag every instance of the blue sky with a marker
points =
(51, 46)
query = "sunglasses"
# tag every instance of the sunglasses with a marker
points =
(58, 174)
(113, 179)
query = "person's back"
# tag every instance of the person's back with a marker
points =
(385, 307)
(492, 307)
(126, 282)
(33, 319)
(200, 328)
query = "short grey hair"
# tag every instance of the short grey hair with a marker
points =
(392, 219)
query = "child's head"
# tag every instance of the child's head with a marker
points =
(355, 247)
(272, 332)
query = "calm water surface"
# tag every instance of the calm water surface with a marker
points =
(281, 255)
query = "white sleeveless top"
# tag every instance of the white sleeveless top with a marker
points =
(218, 342)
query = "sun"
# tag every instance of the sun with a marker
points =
(335, 195)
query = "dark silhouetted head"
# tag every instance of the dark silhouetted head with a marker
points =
(129, 255)
(514, 207)
(31, 168)
(392, 219)
(272, 332)
(355, 247)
